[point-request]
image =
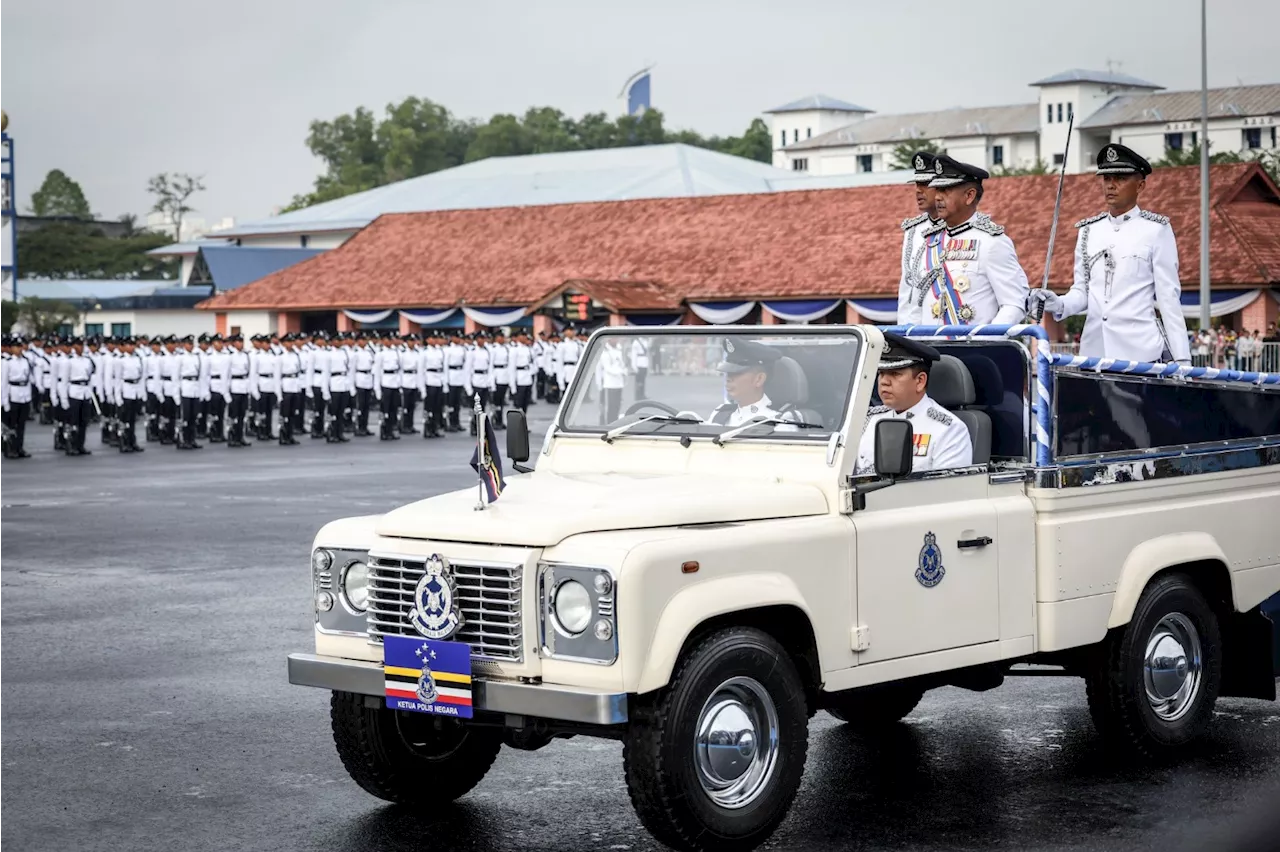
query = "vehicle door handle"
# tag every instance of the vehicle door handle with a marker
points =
(981, 541)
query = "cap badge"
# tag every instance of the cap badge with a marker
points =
(919, 163)
(728, 345)
(937, 167)
(1111, 155)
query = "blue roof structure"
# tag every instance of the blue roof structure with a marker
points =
(609, 174)
(819, 102)
(231, 266)
(1107, 78)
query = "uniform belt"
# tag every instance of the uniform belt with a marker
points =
(79, 381)
(435, 369)
(239, 375)
(340, 373)
(481, 372)
(288, 375)
(131, 381)
(364, 371)
(21, 384)
(191, 378)
(409, 372)
(567, 363)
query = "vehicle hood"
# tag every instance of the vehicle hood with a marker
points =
(544, 509)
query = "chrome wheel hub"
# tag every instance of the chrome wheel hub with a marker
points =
(1172, 666)
(736, 742)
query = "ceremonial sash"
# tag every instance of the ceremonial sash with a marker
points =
(952, 311)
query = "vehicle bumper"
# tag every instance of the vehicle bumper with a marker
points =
(547, 701)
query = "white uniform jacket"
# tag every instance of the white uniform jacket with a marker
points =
(363, 357)
(386, 370)
(241, 378)
(433, 367)
(341, 365)
(219, 372)
(639, 354)
(1125, 268)
(941, 439)
(976, 265)
(289, 371)
(82, 379)
(455, 358)
(913, 246)
(411, 369)
(131, 374)
(15, 384)
(192, 375)
(569, 353)
(480, 372)
(522, 365)
(731, 414)
(500, 356)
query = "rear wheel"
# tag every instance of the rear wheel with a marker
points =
(874, 706)
(392, 753)
(1154, 684)
(714, 760)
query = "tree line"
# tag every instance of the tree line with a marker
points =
(417, 136)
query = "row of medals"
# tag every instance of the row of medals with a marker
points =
(962, 285)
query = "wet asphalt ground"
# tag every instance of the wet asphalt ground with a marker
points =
(149, 602)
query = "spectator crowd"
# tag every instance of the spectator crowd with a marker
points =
(1223, 347)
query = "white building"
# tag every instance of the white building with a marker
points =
(1107, 107)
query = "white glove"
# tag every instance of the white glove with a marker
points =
(1039, 301)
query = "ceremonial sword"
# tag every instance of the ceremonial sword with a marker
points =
(1038, 314)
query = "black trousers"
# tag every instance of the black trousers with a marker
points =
(408, 408)
(217, 417)
(128, 424)
(266, 403)
(337, 404)
(168, 419)
(541, 383)
(483, 393)
(499, 402)
(16, 419)
(364, 398)
(522, 400)
(153, 416)
(455, 407)
(77, 423)
(236, 411)
(190, 410)
(433, 410)
(288, 415)
(317, 412)
(641, 374)
(612, 404)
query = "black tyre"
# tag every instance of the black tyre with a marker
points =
(874, 706)
(1154, 683)
(409, 758)
(714, 760)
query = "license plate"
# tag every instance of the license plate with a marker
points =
(425, 676)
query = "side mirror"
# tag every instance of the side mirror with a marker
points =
(518, 440)
(894, 448)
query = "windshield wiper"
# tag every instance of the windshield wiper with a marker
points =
(724, 437)
(608, 437)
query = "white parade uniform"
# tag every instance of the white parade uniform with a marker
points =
(480, 376)
(941, 439)
(364, 367)
(238, 363)
(433, 367)
(913, 246)
(569, 352)
(613, 368)
(16, 382)
(522, 360)
(131, 372)
(1125, 268)
(219, 373)
(976, 262)
(731, 414)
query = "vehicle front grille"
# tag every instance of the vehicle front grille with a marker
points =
(488, 599)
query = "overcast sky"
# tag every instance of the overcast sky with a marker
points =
(112, 93)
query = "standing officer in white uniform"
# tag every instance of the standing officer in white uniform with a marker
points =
(289, 381)
(131, 393)
(16, 387)
(941, 440)
(500, 355)
(480, 376)
(913, 238)
(570, 352)
(433, 387)
(968, 273)
(523, 367)
(386, 388)
(219, 381)
(364, 354)
(1126, 267)
(640, 363)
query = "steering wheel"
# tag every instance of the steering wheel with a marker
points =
(650, 403)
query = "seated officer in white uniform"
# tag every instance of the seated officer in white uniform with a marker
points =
(746, 367)
(1126, 266)
(941, 439)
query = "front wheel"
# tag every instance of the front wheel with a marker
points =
(1153, 686)
(392, 754)
(714, 760)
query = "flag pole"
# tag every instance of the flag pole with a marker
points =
(482, 424)
(1205, 295)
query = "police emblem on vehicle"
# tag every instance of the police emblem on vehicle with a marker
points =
(930, 571)
(426, 690)
(435, 606)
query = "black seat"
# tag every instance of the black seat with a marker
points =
(951, 386)
(788, 390)
(1007, 410)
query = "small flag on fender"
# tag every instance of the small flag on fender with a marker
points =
(490, 466)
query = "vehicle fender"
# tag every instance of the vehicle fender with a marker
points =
(1151, 557)
(704, 601)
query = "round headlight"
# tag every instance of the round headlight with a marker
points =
(603, 630)
(322, 560)
(603, 584)
(355, 586)
(324, 601)
(573, 606)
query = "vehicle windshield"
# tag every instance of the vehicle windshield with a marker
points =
(638, 382)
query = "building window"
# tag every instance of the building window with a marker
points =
(303, 240)
(795, 135)
(1253, 137)
(1059, 113)
(66, 330)
(1057, 159)
(121, 329)
(808, 133)
(1273, 137)
(235, 329)
(1071, 113)
(783, 144)
(997, 155)
(1173, 141)
(800, 164)
(93, 329)
(1195, 138)
(864, 162)
(1048, 113)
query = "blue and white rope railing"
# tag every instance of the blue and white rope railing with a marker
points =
(1041, 403)
(1145, 368)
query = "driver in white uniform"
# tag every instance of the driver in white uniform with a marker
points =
(746, 367)
(941, 440)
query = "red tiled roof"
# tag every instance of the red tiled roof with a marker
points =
(651, 254)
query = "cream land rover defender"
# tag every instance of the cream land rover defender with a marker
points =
(698, 590)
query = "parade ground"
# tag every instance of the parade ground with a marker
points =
(150, 601)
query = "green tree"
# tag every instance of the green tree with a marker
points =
(1040, 167)
(503, 136)
(45, 316)
(8, 315)
(755, 144)
(172, 192)
(75, 250)
(903, 155)
(59, 195)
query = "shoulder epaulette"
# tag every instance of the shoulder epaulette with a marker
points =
(1090, 220)
(1154, 217)
(941, 416)
(935, 227)
(987, 226)
(877, 409)
(908, 224)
